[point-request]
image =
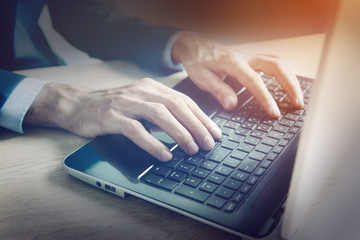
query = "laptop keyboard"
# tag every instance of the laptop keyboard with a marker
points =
(250, 145)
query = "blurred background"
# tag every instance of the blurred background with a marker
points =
(233, 20)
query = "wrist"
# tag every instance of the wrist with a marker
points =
(184, 46)
(54, 106)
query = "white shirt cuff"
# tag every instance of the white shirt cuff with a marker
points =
(18, 103)
(167, 57)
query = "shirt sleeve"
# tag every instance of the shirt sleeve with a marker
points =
(18, 103)
(167, 56)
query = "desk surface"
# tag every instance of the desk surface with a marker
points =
(39, 200)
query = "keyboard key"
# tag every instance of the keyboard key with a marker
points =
(161, 170)
(283, 142)
(177, 158)
(263, 148)
(201, 173)
(177, 176)
(254, 119)
(208, 187)
(232, 162)
(238, 154)
(160, 181)
(264, 127)
(294, 129)
(184, 167)
(225, 114)
(216, 202)
(229, 144)
(236, 138)
(193, 160)
(272, 156)
(219, 121)
(248, 165)
(223, 170)
(281, 128)
(219, 154)
(259, 171)
(238, 197)
(289, 136)
(265, 163)
(270, 122)
(243, 131)
(249, 125)
(192, 181)
(276, 135)
(244, 188)
(252, 140)
(203, 154)
(298, 111)
(231, 124)
(226, 131)
(224, 193)
(299, 124)
(208, 165)
(232, 184)
(287, 122)
(239, 175)
(239, 118)
(257, 155)
(230, 207)
(269, 141)
(192, 193)
(291, 116)
(245, 147)
(258, 134)
(216, 178)
(277, 149)
(252, 180)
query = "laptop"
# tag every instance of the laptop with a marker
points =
(263, 172)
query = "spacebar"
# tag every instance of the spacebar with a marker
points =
(192, 193)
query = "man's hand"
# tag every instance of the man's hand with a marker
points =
(117, 111)
(208, 64)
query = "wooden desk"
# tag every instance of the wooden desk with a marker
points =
(39, 200)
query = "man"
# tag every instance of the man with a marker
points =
(118, 111)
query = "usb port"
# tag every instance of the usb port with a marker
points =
(110, 188)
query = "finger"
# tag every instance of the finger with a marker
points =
(136, 132)
(273, 66)
(111, 122)
(203, 118)
(188, 113)
(180, 110)
(212, 83)
(254, 83)
(159, 115)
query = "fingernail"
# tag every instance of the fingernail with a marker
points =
(229, 101)
(275, 110)
(208, 143)
(216, 132)
(166, 155)
(192, 147)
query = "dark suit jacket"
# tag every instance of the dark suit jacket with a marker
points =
(81, 23)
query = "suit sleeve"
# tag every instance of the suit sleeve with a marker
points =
(8, 82)
(84, 25)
